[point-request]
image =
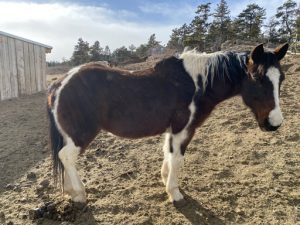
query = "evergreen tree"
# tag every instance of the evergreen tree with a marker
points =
(179, 37)
(80, 53)
(152, 42)
(132, 48)
(142, 51)
(199, 28)
(107, 50)
(219, 30)
(286, 14)
(185, 31)
(236, 29)
(96, 52)
(175, 41)
(106, 54)
(272, 31)
(222, 20)
(250, 21)
(298, 25)
(214, 38)
(121, 54)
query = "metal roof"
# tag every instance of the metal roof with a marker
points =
(48, 47)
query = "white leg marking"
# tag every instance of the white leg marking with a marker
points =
(275, 116)
(164, 171)
(175, 159)
(68, 155)
(165, 168)
(68, 188)
(175, 162)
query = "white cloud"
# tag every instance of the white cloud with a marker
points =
(178, 11)
(60, 25)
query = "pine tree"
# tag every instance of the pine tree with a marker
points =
(132, 48)
(175, 41)
(96, 52)
(152, 43)
(219, 30)
(179, 37)
(81, 53)
(106, 50)
(272, 31)
(222, 19)
(142, 51)
(121, 54)
(250, 21)
(199, 27)
(236, 29)
(286, 14)
(298, 25)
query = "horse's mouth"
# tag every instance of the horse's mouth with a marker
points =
(263, 123)
(266, 126)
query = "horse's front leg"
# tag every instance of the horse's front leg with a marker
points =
(165, 166)
(72, 183)
(174, 151)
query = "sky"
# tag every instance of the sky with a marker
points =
(114, 23)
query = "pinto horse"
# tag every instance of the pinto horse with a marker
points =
(174, 97)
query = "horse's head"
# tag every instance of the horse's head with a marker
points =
(260, 91)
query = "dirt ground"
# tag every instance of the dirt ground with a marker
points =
(233, 172)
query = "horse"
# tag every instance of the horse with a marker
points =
(174, 97)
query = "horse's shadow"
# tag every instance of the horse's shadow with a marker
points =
(196, 213)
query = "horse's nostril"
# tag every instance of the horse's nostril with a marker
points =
(270, 127)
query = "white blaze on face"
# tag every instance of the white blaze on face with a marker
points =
(275, 116)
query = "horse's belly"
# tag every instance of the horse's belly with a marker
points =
(137, 126)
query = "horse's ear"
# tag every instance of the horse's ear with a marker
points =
(257, 53)
(281, 51)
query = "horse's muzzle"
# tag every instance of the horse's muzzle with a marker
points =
(269, 127)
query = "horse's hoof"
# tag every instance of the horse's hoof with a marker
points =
(79, 199)
(181, 203)
(79, 205)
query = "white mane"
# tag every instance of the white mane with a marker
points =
(198, 64)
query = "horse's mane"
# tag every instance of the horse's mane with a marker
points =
(217, 65)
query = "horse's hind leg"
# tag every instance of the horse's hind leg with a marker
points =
(72, 183)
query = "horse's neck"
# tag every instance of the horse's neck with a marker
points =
(212, 96)
(226, 85)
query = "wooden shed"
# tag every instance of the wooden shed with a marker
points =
(22, 66)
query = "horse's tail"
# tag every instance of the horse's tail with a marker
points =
(56, 144)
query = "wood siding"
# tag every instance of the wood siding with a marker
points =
(22, 67)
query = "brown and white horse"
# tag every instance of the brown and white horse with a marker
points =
(174, 97)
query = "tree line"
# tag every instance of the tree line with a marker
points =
(209, 29)
(84, 53)
(206, 32)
